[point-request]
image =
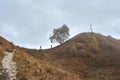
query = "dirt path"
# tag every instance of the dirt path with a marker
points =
(9, 65)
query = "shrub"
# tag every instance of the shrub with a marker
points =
(73, 49)
(94, 44)
(77, 48)
(82, 51)
(80, 45)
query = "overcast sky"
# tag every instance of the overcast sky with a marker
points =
(29, 23)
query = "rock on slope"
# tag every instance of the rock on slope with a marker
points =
(9, 66)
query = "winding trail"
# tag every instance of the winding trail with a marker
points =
(9, 65)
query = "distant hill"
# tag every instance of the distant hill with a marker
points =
(92, 56)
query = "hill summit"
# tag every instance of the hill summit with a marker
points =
(87, 56)
(92, 56)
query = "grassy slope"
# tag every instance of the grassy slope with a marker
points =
(31, 68)
(92, 56)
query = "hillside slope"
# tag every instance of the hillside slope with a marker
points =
(31, 68)
(89, 55)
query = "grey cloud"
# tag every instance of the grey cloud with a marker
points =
(30, 22)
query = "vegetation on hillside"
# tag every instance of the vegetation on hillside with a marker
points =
(31, 68)
(84, 57)
(92, 57)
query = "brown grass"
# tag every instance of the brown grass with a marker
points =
(91, 56)
(31, 68)
(84, 57)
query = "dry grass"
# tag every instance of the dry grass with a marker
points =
(31, 68)
(91, 56)
(85, 57)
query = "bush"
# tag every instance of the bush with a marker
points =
(82, 51)
(94, 44)
(77, 48)
(73, 49)
(80, 45)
